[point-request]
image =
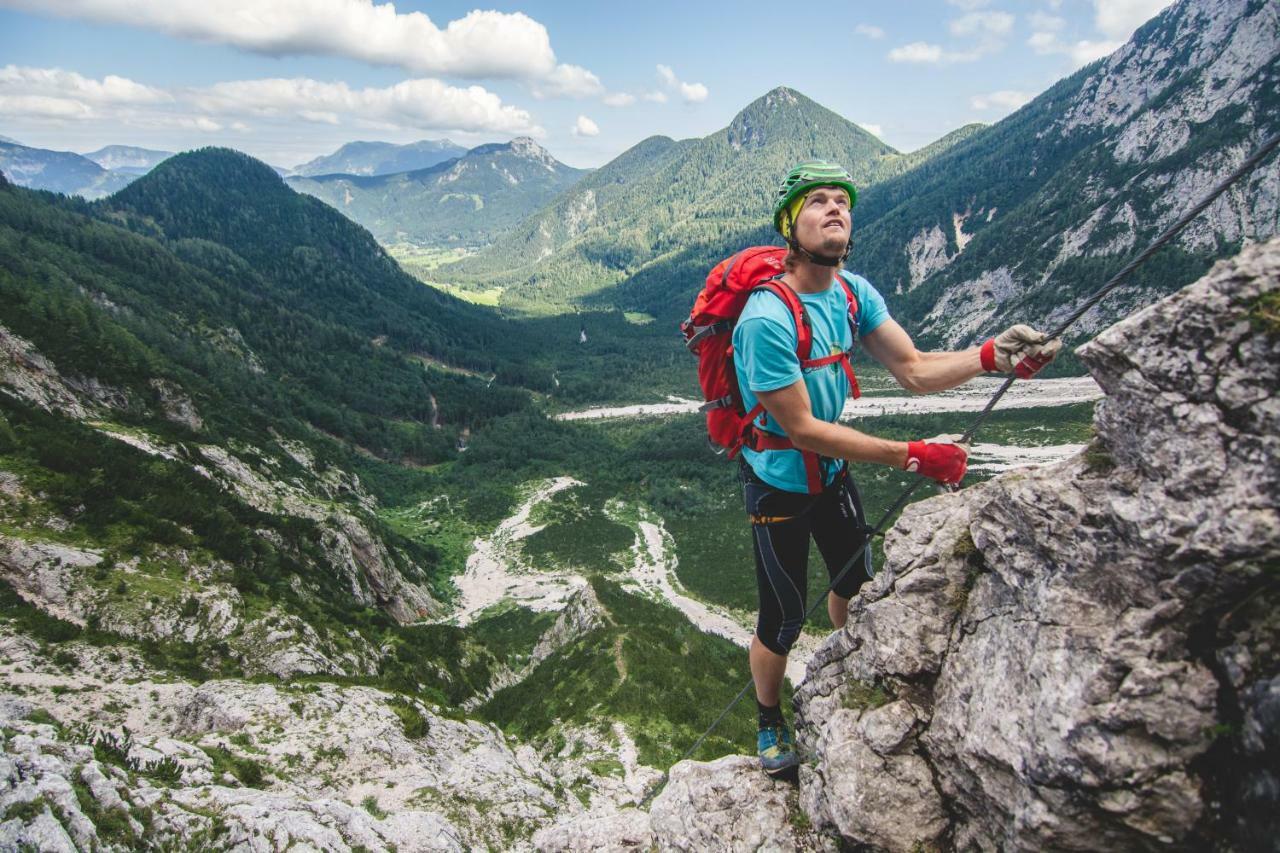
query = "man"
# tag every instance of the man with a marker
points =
(801, 407)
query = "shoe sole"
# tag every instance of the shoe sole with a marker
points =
(785, 774)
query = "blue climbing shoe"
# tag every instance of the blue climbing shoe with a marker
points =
(777, 751)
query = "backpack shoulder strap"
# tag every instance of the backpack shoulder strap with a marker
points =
(853, 303)
(804, 333)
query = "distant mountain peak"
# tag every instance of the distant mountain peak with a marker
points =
(370, 158)
(781, 95)
(776, 112)
(522, 146)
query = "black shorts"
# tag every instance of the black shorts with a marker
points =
(781, 524)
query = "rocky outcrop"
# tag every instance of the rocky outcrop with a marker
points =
(229, 764)
(29, 375)
(581, 614)
(725, 804)
(1082, 655)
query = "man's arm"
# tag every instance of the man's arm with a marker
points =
(920, 372)
(791, 409)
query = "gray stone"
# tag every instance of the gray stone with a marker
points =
(1056, 644)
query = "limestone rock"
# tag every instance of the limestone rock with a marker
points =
(618, 831)
(581, 614)
(1082, 655)
(727, 804)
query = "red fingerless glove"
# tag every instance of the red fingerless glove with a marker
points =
(988, 356)
(945, 463)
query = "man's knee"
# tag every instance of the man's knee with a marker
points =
(780, 642)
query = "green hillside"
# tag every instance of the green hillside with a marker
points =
(466, 201)
(661, 197)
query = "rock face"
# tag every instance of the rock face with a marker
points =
(1085, 655)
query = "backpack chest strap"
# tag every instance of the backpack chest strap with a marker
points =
(843, 359)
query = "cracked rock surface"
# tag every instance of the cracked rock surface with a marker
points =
(1085, 655)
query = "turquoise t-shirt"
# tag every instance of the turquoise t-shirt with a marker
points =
(764, 346)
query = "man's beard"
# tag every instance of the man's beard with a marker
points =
(832, 247)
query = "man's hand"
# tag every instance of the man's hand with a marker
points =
(939, 458)
(1020, 349)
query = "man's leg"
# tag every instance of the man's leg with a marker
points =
(780, 535)
(768, 669)
(837, 609)
(839, 529)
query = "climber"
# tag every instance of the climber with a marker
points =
(792, 495)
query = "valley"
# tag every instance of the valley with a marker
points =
(371, 504)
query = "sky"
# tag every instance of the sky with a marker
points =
(290, 80)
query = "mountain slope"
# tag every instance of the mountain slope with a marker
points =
(670, 196)
(381, 158)
(1013, 222)
(58, 171)
(467, 201)
(128, 159)
(1024, 218)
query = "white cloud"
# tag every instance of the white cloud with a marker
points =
(1043, 22)
(982, 24)
(421, 103)
(60, 83)
(41, 106)
(655, 97)
(1117, 19)
(692, 93)
(917, 51)
(60, 95)
(585, 127)
(869, 30)
(619, 99)
(481, 44)
(873, 129)
(568, 81)
(969, 5)
(1004, 99)
(983, 31)
(1081, 52)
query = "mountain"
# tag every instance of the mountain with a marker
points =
(212, 204)
(661, 197)
(128, 159)
(1017, 221)
(58, 171)
(10, 141)
(381, 158)
(1024, 218)
(464, 202)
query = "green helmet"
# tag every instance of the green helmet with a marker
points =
(806, 176)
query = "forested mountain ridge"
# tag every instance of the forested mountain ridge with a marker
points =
(661, 197)
(465, 201)
(1017, 220)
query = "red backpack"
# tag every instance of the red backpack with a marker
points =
(708, 334)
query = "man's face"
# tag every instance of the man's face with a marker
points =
(823, 223)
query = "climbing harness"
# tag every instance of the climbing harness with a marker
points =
(1101, 293)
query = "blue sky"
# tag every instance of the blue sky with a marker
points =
(287, 80)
